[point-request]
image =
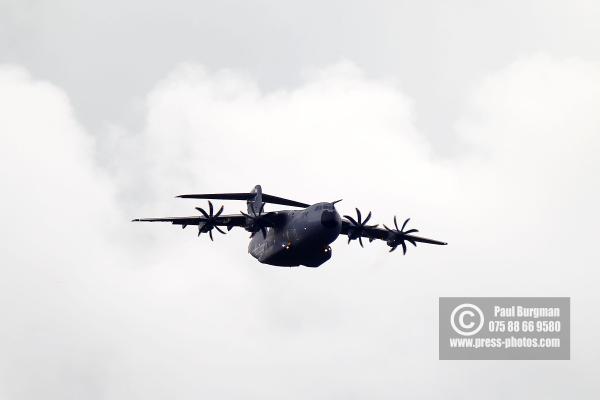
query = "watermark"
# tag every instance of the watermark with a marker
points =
(504, 328)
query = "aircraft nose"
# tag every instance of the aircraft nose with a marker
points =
(328, 219)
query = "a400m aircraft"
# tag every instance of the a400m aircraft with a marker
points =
(290, 238)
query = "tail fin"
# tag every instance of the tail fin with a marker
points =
(256, 202)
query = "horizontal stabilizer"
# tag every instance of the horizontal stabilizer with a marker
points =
(267, 198)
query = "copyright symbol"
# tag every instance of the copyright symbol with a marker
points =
(466, 319)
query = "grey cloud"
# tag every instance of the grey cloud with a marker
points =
(108, 55)
(96, 306)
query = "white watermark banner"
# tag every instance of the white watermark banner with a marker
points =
(504, 328)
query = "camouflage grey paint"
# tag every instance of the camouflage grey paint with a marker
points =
(302, 238)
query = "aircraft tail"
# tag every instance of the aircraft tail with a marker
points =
(255, 199)
(256, 202)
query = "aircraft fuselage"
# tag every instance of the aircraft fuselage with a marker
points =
(302, 238)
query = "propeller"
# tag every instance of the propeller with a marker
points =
(256, 222)
(210, 222)
(398, 236)
(358, 227)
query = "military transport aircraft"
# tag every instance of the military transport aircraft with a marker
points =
(291, 237)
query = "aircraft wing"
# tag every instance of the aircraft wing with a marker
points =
(382, 234)
(206, 223)
(228, 221)
(393, 238)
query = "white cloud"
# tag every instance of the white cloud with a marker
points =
(96, 306)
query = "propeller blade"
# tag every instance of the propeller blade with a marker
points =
(403, 247)
(210, 234)
(359, 216)
(404, 224)
(210, 208)
(360, 241)
(203, 212)
(411, 231)
(219, 212)
(349, 218)
(349, 240)
(368, 218)
(396, 223)
(219, 229)
(393, 248)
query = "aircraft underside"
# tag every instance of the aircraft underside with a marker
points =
(294, 257)
(306, 245)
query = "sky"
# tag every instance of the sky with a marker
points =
(479, 120)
